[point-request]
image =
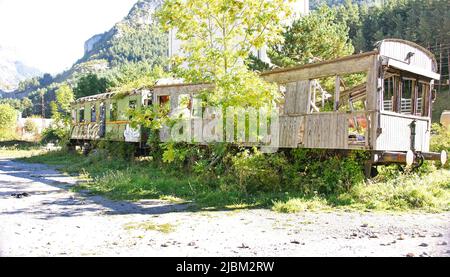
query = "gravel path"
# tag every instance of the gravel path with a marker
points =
(45, 219)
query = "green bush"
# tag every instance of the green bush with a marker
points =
(55, 135)
(8, 119)
(30, 126)
(405, 191)
(440, 140)
(310, 172)
(254, 171)
(118, 149)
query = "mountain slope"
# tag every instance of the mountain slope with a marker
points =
(13, 71)
(136, 38)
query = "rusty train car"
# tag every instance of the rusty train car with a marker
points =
(388, 112)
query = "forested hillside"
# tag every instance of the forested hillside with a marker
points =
(134, 39)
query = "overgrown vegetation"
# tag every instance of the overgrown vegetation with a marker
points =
(285, 182)
(8, 117)
(224, 176)
(20, 149)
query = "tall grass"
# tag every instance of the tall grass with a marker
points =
(141, 179)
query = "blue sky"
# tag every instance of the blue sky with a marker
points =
(50, 34)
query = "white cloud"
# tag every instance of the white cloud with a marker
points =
(50, 34)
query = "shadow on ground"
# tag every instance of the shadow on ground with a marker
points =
(49, 195)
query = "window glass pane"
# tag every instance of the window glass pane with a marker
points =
(93, 113)
(113, 111)
(132, 104)
(81, 115)
(388, 96)
(407, 96)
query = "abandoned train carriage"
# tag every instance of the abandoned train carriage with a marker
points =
(388, 112)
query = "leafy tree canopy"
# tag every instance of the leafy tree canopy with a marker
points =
(8, 116)
(315, 37)
(90, 84)
(218, 36)
(61, 107)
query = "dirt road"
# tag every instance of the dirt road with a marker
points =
(39, 216)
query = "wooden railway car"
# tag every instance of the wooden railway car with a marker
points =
(388, 112)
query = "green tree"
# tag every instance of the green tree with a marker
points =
(218, 36)
(90, 84)
(27, 106)
(61, 107)
(315, 37)
(8, 118)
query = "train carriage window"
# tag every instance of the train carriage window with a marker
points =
(164, 103)
(113, 111)
(132, 104)
(407, 96)
(93, 113)
(81, 115)
(198, 106)
(164, 99)
(148, 102)
(389, 93)
(422, 99)
(185, 101)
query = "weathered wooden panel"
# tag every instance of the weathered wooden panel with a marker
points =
(296, 97)
(396, 132)
(291, 131)
(351, 64)
(326, 130)
(180, 88)
(302, 98)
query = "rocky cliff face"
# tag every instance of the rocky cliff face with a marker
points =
(140, 17)
(13, 71)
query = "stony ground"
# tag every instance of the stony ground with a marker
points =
(39, 216)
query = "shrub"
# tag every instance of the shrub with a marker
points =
(55, 135)
(8, 117)
(30, 126)
(255, 171)
(118, 149)
(405, 191)
(295, 205)
(440, 140)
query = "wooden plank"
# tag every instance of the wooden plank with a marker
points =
(337, 91)
(290, 128)
(302, 97)
(328, 130)
(373, 98)
(347, 65)
(290, 98)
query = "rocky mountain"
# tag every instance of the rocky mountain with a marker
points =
(13, 71)
(136, 38)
